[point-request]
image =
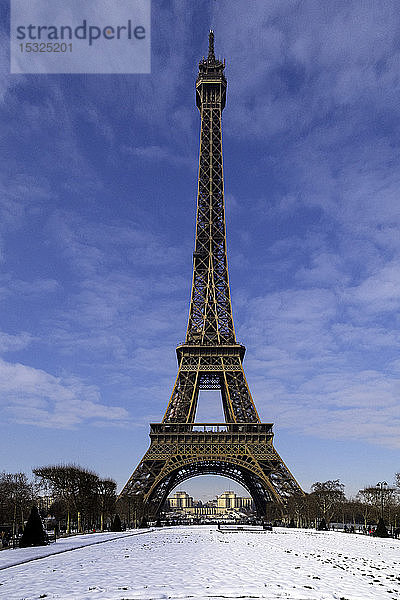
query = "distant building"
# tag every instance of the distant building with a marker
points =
(44, 502)
(229, 500)
(180, 500)
(224, 504)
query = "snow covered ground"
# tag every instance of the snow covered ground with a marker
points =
(12, 558)
(201, 562)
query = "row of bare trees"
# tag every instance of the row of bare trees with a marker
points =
(81, 499)
(77, 498)
(327, 501)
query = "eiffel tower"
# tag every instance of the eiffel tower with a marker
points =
(241, 448)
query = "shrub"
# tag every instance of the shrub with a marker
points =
(34, 534)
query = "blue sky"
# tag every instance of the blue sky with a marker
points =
(97, 208)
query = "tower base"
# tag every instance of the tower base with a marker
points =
(240, 451)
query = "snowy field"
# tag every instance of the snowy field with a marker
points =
(201, 562)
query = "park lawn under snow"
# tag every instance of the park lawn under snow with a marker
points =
(22, 555)
(201, 562)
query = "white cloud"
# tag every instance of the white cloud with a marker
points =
(13, 343)
(158, 153)
(380, 292)
(21, 196)
(326, 269)
(317, 362)
(34, 397)
(336, 404)
(97, 246)
(311, 51)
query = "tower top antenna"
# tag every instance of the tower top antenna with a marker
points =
(211, 55)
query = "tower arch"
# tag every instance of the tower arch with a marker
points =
(232, 469)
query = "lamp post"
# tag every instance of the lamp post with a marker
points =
(381, 485)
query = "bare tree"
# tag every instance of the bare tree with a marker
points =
(301, 509)
(377, 500)
(17, 495)
(328, 496)
(352, 511)
(85, 496)
(107, 497)
(131, 508)
(370, 504)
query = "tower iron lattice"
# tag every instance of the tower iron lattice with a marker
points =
(241, 448)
